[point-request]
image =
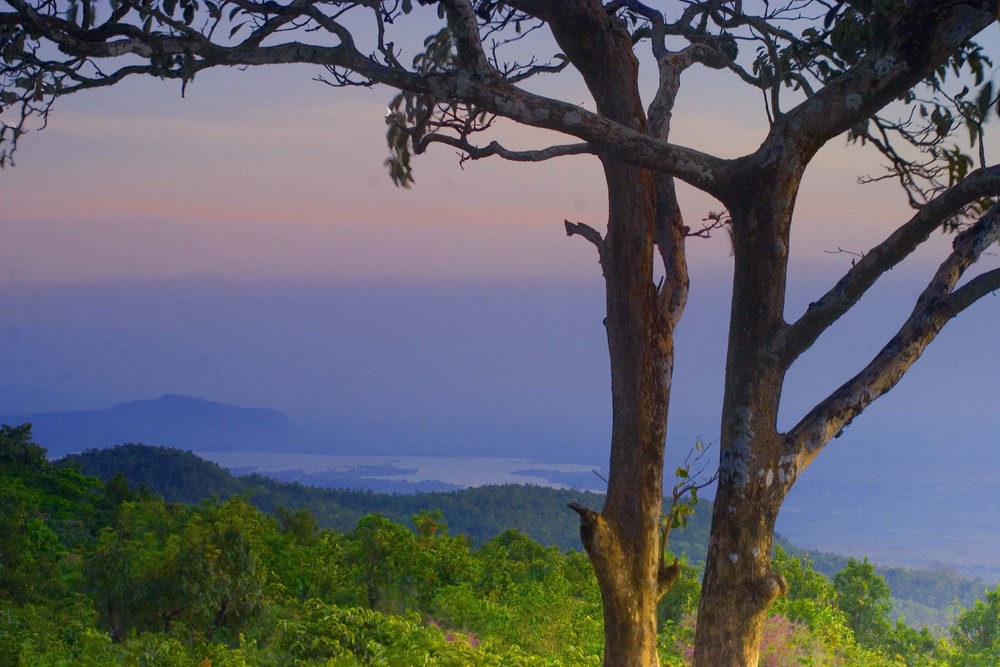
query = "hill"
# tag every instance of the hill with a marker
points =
(479, 512)
(98, 574)
(922, 596)
(178, 421)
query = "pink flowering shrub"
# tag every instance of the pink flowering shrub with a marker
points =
(784, 643)
(469, 638)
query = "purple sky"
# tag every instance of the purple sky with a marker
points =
(246, 245)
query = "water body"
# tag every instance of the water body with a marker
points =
(914, 515)
(453, 471)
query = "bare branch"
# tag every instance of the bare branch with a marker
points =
(975, 289)
(670, 235)
(883, 257)
(516, 73)
(710, 223)
(935, 307)
(494, 148)
(587, 232)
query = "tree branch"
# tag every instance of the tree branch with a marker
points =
(486, 90)
(926, 35)
(975, 289)
(935, 307)
(494, 148)
(465, 31)
(904, 241)
(587, 232)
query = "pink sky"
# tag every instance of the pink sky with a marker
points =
(268, 174)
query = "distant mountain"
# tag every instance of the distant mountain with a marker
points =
(176, 421)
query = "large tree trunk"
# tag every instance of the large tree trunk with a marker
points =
(623, 541)
(755, 470)
(739, 585)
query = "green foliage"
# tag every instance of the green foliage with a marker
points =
(811, 599)
(101, 574)
(863, 596)
(682, 599)
(177, 475)
(923, 597)
(328, 635)
(480, 513)
(917, 648)
(164, 564)
(30, 551)
(52, 634)
(18, 449)
(976, 633)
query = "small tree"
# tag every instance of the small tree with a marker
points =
(18, 448)
(863, 596)
(976, 633)
(887, 73)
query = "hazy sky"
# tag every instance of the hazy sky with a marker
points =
(245, 245)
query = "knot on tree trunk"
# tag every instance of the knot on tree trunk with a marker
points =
(667, 577)
(769, 588)
(589, 526)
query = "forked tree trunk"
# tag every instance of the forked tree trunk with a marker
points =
(623, 539)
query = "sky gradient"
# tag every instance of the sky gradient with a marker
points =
(245, 245)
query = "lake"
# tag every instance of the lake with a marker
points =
(917, 515)
(412, 472)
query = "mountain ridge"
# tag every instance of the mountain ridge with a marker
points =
(174, 420)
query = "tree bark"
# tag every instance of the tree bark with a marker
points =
(755, 472)
(623, 540)
(627, 553)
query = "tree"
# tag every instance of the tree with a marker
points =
(885, 72)
(162, 564)
(976, 632)
(18, 448)
(863, 596)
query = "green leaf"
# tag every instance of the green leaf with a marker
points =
(985, 99)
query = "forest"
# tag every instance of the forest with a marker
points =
(106, 572)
